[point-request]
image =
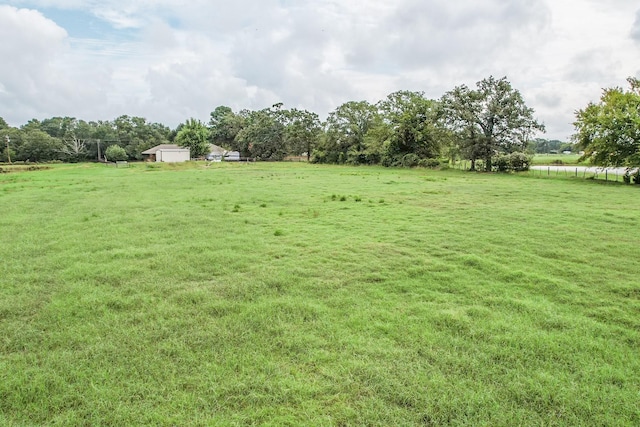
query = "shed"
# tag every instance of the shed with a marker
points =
(170, 153)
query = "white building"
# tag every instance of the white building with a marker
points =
(168, 153)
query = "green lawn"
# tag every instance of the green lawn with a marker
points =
(296, 294)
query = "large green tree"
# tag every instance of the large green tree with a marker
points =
(413, 125)
(488, 120)
(263, 136)
(609, 131)
(224, 126)
(194, 135)
(302, 132)
(345, 140)
(38, 146)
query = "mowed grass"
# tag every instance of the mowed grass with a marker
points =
(295, 294)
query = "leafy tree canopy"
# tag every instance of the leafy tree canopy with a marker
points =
(609, 131)
(490, 119)
(115, 153)
(194, 135)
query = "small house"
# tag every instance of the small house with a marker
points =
(169, 153)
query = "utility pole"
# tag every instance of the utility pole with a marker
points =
(6, 137)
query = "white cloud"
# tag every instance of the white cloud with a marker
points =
(167, 60)
(635, 30)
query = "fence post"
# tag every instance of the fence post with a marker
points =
(548, 170)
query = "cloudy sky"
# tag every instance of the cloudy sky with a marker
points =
(168, 60)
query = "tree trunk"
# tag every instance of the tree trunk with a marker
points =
(487, 164)
(473, 165)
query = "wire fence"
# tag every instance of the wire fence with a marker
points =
(582, 172)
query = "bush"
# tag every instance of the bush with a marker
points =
(519, 162)
(502, 163)
(389, 160)
(410, 160)
(429, 163)
(115, 153)
(636, 177)
(512, 162)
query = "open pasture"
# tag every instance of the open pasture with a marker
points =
(295, 294)
(558, 159)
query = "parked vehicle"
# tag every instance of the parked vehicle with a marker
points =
(231, 156)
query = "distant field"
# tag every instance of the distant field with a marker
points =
(550, 159)
(296, 294)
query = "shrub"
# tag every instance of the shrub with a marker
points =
(429, 163)
(512, 162)
(115, 153)
(390, 160)
(502, 163)
(519, 161)
(410, 160)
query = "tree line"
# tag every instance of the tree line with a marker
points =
(71, 140)
(489, 125)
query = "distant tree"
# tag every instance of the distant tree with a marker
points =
(413, 123)
(15, 141)
(224, 126)
(346, 134)
(609, 131)
(33, 124)
(101, 134)
(5, 142)
(58, 127)
(302, 132)
(263, 136)
(38, 146)
(489, 120)
(194, 135)
(115, 153)
(73, 149)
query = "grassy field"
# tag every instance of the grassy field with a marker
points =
(295, 294)
(560, 159)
